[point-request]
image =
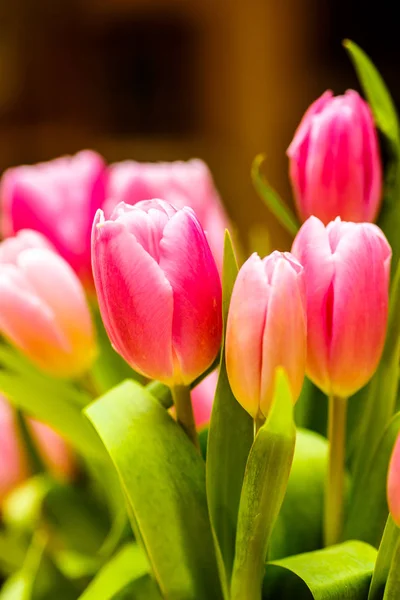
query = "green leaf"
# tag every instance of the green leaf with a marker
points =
(129, 564)
(163, 478)
(264, 487)
(230, 438)
(12, 553)
(392, 589)
(272, 199)
(368, 510)
(390, 538)
(340, 572)
(299, 524)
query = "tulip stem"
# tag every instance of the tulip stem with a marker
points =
(184, 412)
(334, 493)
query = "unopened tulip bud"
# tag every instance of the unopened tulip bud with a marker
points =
(43, 309)
(346, 267)
(59, 199)
(335, 166)
(393, 490)
(266, 329)
(159, 290)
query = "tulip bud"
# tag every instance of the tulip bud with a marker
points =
(334, 160)
(266, 329)
(59, 199)
(393, 489)
(43, 309)
(180, 183)
(346, 267)
(14, 468)
(159, 290)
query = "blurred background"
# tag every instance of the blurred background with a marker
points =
(173, 79)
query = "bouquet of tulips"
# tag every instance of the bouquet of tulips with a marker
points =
(176, 425)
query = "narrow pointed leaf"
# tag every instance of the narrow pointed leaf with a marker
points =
(392, 589)
(390, 539)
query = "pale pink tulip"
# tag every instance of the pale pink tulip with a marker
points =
(346, 268)
(43, 309)
(335, 167)
(158, 289)
(393, 489)
(180, 183)
(58, 198)
(266, 329)
(14, 466)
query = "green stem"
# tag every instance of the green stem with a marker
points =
(184, 412)
(334, 494)
(36, 464)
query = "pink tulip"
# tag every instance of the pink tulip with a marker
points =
(14, 467)
(266, 329)
(43, 309)
(393, 490)
(158, 289)
(347, 276)
(335, 166)
(180, 183)
(59, 199)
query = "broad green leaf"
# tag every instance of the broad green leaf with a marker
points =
(390, 539)
(299, 524)
(368, 509)
(379, 403)
(55, 410)
(129, 564)
(163, 478)
(264, 487)
(392, 589)
(340, 572)
(230, 437)
(272, 199)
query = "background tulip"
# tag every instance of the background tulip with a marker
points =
(43, 309)
(159, 290)
(58, 198)
(394, 483)
(346, 268)
(334, 160)
(14, 467)
(266, 329)
(180, 183)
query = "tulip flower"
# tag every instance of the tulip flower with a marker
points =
(180, 183)
(393, 489)
(59, 199)
(43, 309)
(346, 268)
(14, 467)
(203, 399)
(266, 329)
(335, 166)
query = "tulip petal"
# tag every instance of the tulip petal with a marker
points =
(135, 299)
(244, 334)
(186, 260)
(394, 484)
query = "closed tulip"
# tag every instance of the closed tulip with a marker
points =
(158, 289)
(346, 268)
(393, 490)
(266, 329)
(59, 199)
(43, 309)
(14, 467)
(180, 183)
(335, 166)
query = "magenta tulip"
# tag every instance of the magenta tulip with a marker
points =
(59, 199)
(266, 329)
(158, 289)
(346, 269)
(335, 166)
(393, 489)
(180, 183)
(43, 309)
(14, 468)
